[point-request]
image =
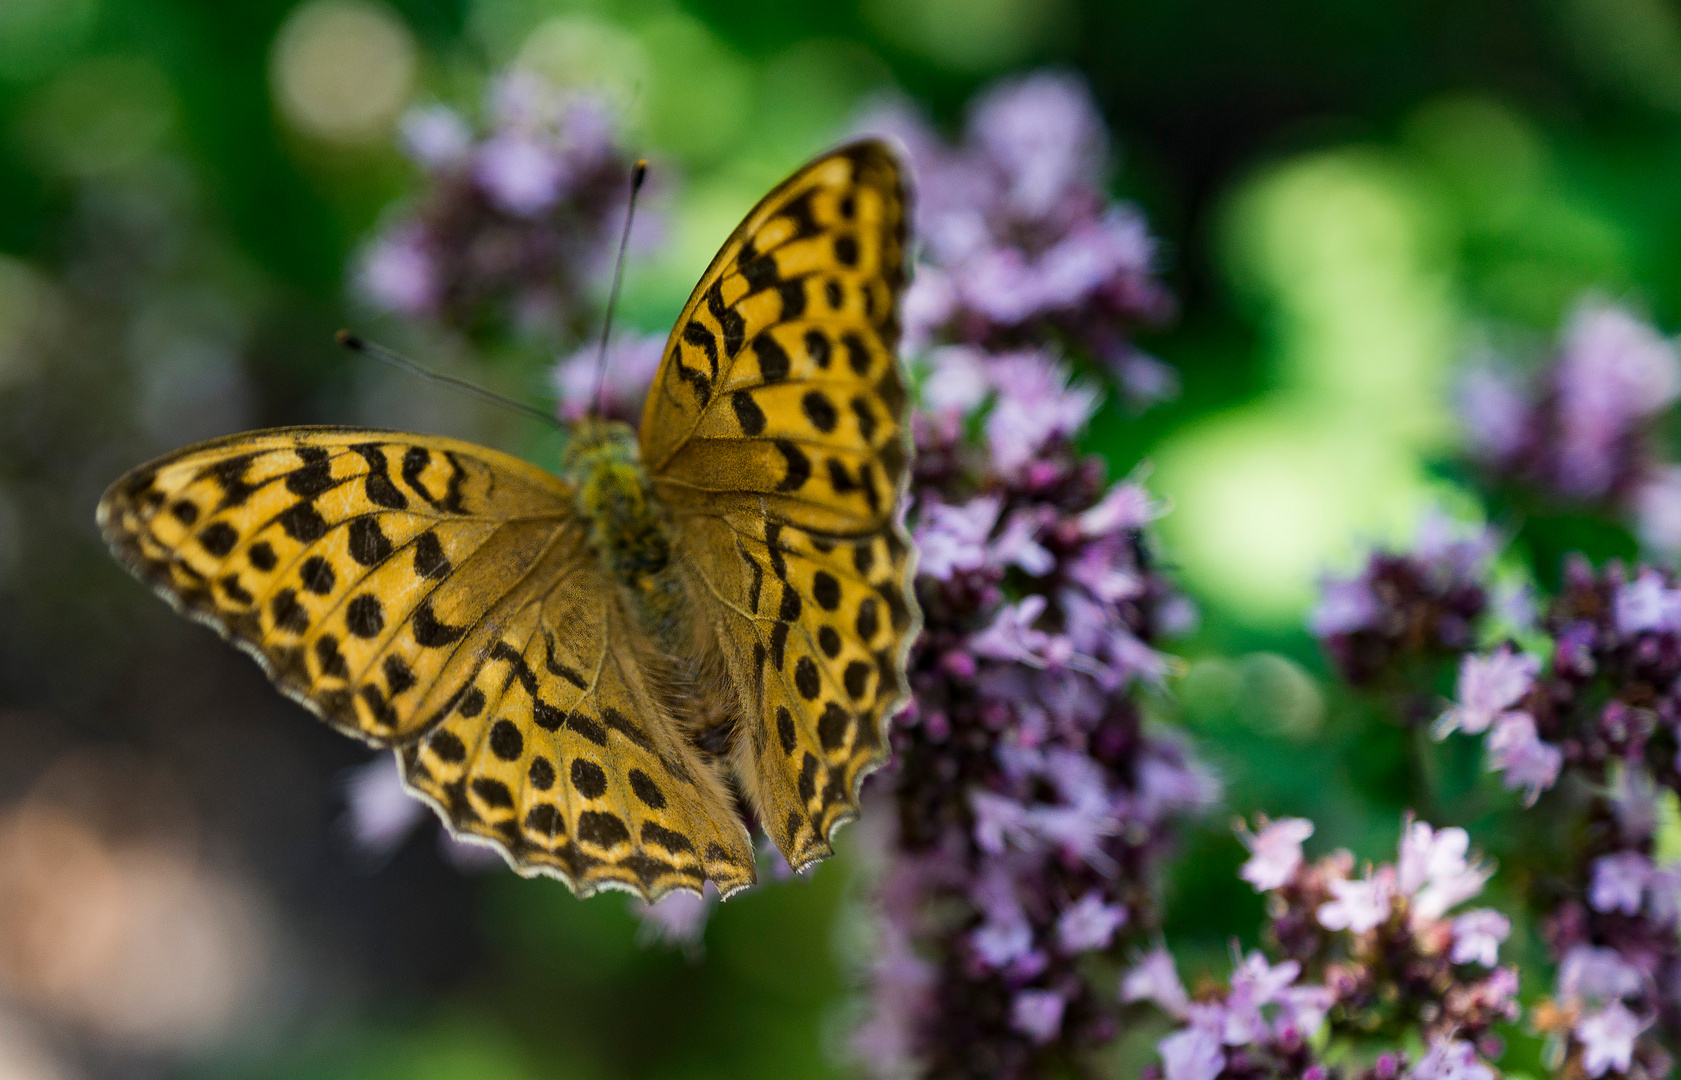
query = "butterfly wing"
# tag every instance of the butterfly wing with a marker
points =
(437, 596)
(776, 432)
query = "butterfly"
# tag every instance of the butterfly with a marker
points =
(587, 670)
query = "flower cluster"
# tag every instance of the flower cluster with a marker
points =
(1021, 243)
(1581, 433)
(516, 222)
(1406, 610)
(1605, 708)
(1030, 804)
(1382, 958)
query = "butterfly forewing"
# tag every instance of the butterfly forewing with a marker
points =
(403, 585)
(776, 433)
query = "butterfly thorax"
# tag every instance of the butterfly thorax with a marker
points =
(629, 528)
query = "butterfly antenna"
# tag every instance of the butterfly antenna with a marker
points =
(398, 360)
(638, 173)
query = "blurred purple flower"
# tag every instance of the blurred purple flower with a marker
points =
(1581, 433)
(1406, 609)
(1021, 240)
(435, 138)
(1033, 802)
(1619, 882)
(632, 360)
(379, 812)
(1275, 852)
(1155, 978)
(1607, 1037)
(1488, 687)
(1358, 906)
(1451, 1059)
(1477, 936)
(1038, 1014)
(516, 221)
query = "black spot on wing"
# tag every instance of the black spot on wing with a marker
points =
(364, 616)
(747, 413)
(378, 486)
(218, 538)
(303, 523)
(368, 544)
(819, 410)
(314, 477)
(773, 359)
(431, 633)
(798, 469)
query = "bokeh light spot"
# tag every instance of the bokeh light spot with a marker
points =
(341, 70)
(968, 35)
(584, 52)
(1265, 498)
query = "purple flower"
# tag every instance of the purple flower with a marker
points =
(676, 919)
(1038, 1014)
(397, 273)
(435, 137)
(1359, 905)
(1254, 984)
(1011, 635)
(1275, 853)
(1191, 1054)
(1345, 605)
(1582, 433)
(1607, 1037)
(1126, 507)
(1619, 882)
(631, 363)
(1494, 414)
(380, 812)
(516, 220)
(1046, 138)
(1526, 762)
(1451, 1059)
(1592, 974)
(1302, 1011)
(1433, 869)
(1488, 687)
(953, 539)
(1407, 608)
(1033, 802)
(1089, 924)
(519, 174)
(1018, 545)
(1021, 239)
(1156, 978)
(1647, 605)
(1477, 936)
(1613, 372)
(1657, 510)
(1034, 407)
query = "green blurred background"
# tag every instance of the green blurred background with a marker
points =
(1354, 197)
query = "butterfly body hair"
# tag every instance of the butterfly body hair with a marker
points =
(629, 528)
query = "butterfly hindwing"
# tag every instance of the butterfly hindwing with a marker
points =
(776, 432)
(558, 751)
(816, 633)
(385, 581)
